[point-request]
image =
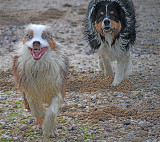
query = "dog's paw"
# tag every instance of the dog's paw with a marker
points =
(49, 130)
(116, 83)
(50, 134)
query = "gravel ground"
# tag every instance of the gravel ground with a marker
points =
(93, 110)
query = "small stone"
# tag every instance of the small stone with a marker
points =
(95, 128)
(31, 121)
(69, 129)
(136, 139)
(126, 122)
(95, 121)
(60, 127)
(122, 133)
(74, 128)
(23, 128)
(105, 125)
(111, 121)
(6, 122)
(108, 130)
(82, 107)
(122, 140)
(142, 122)
(99, 103)
(15, 138)
(101, 119)
(127, 106)
(2, 131)
(144, 133)
(3, 126)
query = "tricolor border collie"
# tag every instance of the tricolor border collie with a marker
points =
(110, 28)
(40, 70)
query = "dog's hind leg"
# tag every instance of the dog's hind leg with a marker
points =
(128, 68)
(26, 104)
(50, 119)
(37, 110)
(101, 63)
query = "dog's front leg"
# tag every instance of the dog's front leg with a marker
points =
(120, 70)
(37, 110)
(123, 68)
(105, 65)
(49, 124)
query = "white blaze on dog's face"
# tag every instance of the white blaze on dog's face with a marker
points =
(38, 40)
(108, 20)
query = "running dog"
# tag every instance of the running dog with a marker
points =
(110, 28)
(40, 70)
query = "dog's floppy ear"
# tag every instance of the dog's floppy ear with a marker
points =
(25, 31)
(50, 39)
(90, 31)
(128, 30)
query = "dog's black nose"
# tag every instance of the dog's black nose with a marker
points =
(107, 22)
(36, 43)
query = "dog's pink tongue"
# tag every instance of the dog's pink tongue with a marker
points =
(37, 54)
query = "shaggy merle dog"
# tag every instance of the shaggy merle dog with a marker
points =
(110, 28)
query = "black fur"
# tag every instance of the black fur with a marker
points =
(127, 19)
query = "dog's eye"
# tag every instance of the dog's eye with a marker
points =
(43, 36)
(30, 36)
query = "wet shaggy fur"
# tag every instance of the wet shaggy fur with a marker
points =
(41, 78)
(110, 28)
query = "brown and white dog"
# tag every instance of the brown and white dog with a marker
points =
(40, 70)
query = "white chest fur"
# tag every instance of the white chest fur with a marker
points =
(43, 78)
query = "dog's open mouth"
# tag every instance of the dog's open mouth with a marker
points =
(108, 30)
(37, 53)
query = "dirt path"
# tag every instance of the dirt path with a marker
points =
(93, 110)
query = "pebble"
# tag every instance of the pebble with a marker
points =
(74, 128)
(142, 122)
(111, 121)
(24, 128)
(126, 122)
(31, 121)
(5, 136)
(101, 119)
(3, 97)
(105, 125)
(6, 122)
(137, 139)
(3, 131)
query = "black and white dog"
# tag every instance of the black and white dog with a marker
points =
(110, 28)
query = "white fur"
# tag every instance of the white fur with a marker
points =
(38, 29)
(50, 118)
(108, 54)
(47, 70)
(44, 80)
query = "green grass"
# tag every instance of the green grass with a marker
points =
(18, 102)
(62, 120)
(87, 136)
(8, 92)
